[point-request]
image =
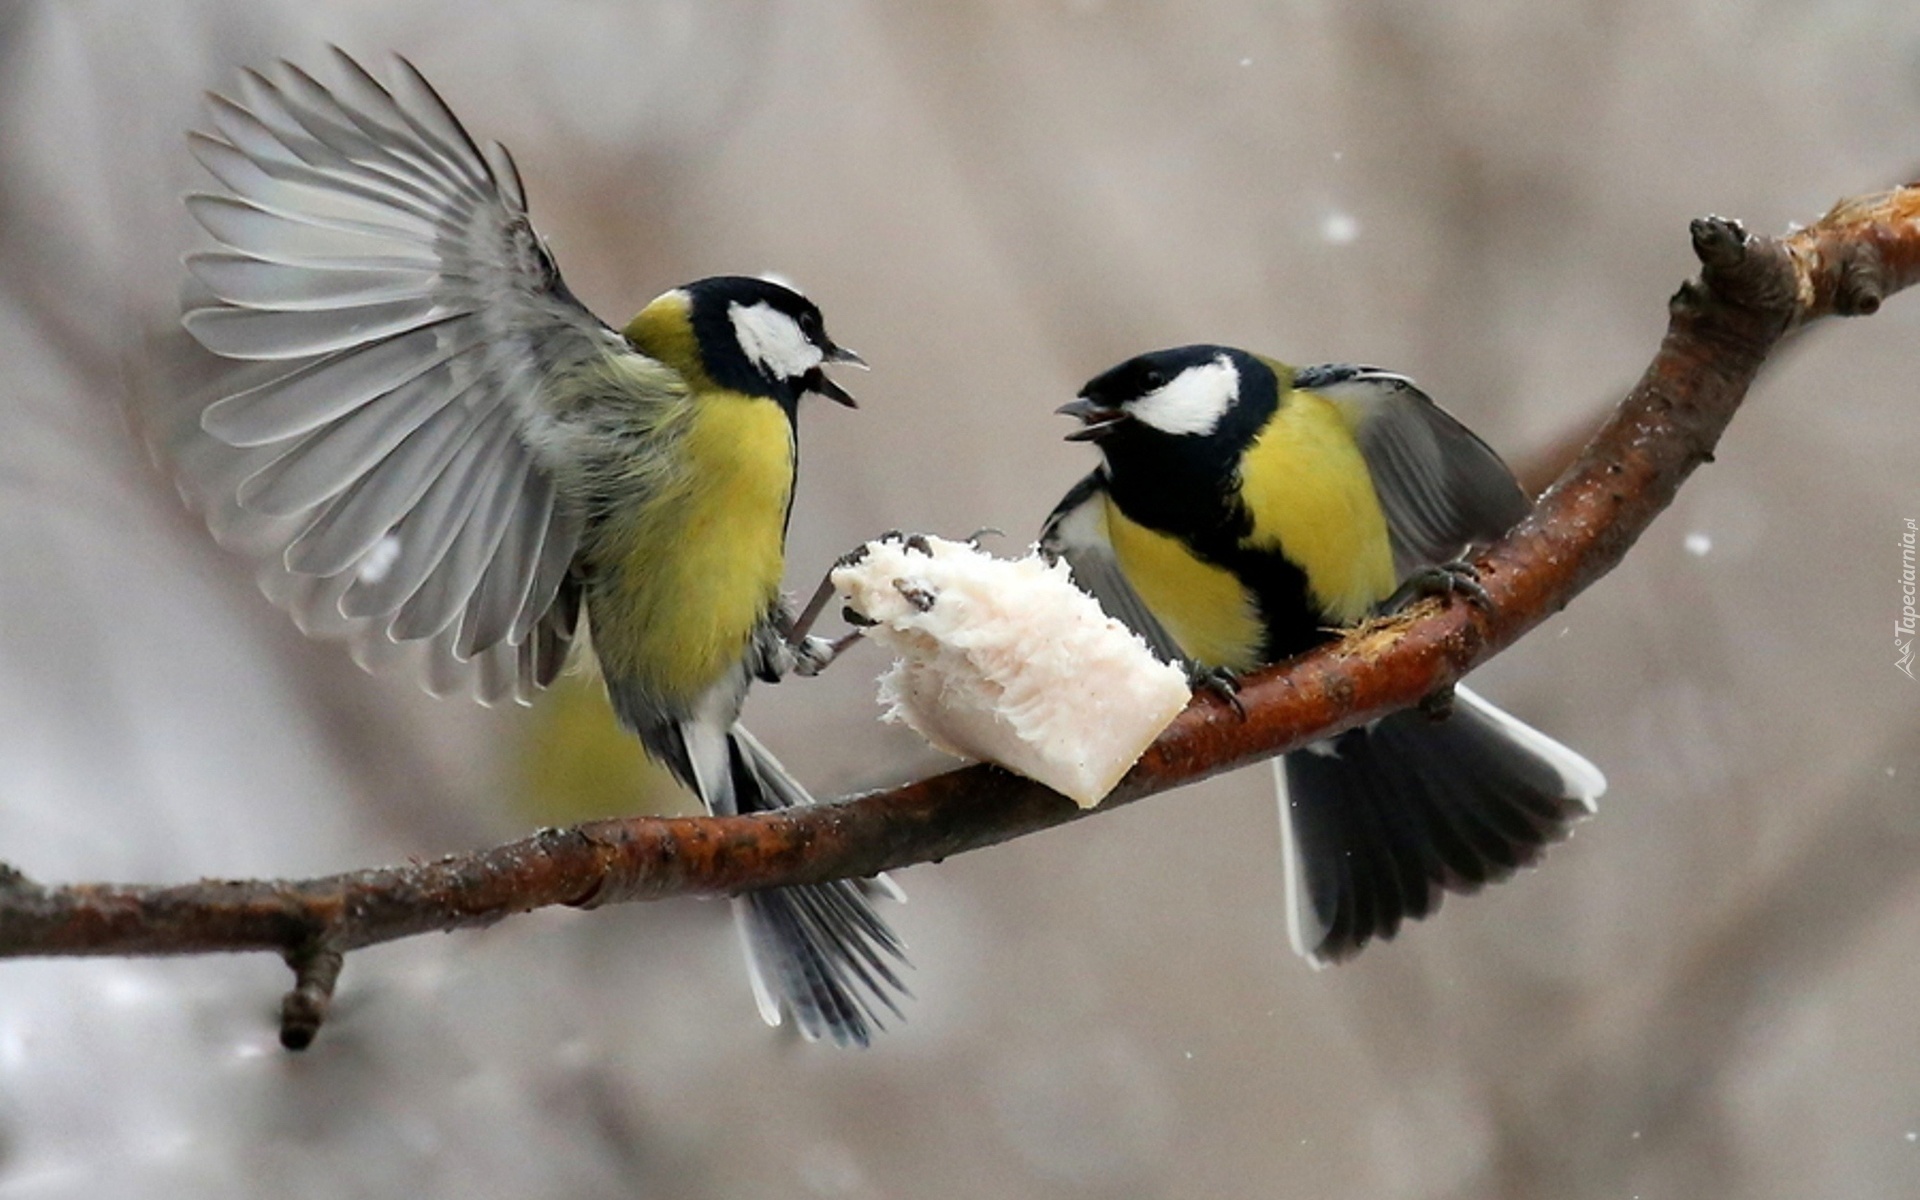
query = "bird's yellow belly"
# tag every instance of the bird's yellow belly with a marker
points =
(1206, 610)
(700, 569)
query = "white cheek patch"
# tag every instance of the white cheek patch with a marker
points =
(1193, 401)
(772, 339)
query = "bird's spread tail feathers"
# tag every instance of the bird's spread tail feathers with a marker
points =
(1379, 821)
(819, 951)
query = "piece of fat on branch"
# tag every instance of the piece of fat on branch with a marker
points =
(1006, 661)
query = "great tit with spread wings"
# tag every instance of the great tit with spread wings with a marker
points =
(441, 456)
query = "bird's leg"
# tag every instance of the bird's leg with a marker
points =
(798, 628)
(812, 655)
(1220, 682)
(1458, 577)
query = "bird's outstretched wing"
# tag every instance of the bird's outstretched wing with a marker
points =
(388, 317)
(1076, 531)
(1440, 486)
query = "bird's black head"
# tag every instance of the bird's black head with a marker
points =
(1172, 426)
(763, 338)
(1214, 397)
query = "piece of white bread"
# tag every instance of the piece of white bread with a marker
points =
(1005, 660)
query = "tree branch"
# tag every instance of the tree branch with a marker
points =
(1752, 291)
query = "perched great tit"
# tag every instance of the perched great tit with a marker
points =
(444, 457)
(1245, 511)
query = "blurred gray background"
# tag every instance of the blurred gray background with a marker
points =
(1708, 991)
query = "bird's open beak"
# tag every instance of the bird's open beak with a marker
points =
(840, 354)
(1098, 420)
(816, 380)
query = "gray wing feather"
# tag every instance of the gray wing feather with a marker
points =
(507, 172)
(251, 162)
(506, 572)
(1441, 487)
(550, 573)
(1076, 531)
(410, 431)
(257, 283)
(328, 389)
(390, 316)
(373, 503)
(544, 652)
(312, 600)
(443, 595)
(498, 668)
(256, 333)
(420, 539)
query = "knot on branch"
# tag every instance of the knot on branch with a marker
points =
(1861, 283)
(1720, 243)
(316, 968)
(1742, 270)
(14, 882)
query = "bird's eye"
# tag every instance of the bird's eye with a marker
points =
(1153, 380)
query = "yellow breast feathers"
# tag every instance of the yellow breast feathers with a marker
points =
(700, 566)
(1308, 490)
(1214, 619)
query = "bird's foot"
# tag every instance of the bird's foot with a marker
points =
(810, 661)
(1456, 578)
(1220, 681)
(812, 655)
